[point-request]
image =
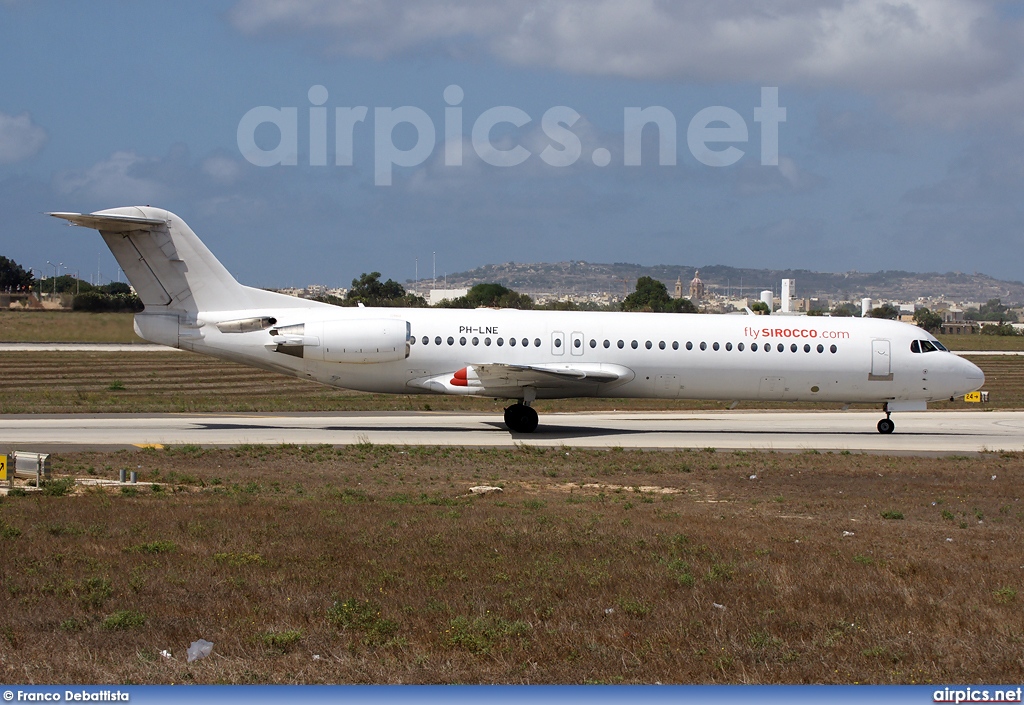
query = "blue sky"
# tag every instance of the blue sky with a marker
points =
(902, 146)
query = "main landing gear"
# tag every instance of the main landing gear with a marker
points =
(886, 425)
(521, 418)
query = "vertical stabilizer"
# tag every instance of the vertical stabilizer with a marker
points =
(169, 267)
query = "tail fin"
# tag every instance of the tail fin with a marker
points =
(169, 267)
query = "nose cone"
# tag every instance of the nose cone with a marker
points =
(973, 377)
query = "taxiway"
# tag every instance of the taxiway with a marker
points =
(937, 432)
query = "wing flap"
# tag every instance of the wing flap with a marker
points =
(502, 379)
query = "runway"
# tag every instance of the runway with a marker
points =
(926, 433)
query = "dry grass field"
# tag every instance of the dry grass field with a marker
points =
(66, 327)
(371, 564)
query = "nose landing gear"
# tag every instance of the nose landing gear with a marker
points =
(886, 425)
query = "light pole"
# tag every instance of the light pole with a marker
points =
(54, 276)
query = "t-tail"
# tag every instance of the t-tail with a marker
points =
(173, 273)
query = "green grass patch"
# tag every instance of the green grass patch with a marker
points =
(123, 620)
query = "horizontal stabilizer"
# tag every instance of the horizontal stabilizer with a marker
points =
(110, 223)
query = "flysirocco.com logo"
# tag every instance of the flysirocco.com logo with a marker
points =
(714, 135)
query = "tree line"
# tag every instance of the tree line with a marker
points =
(115, 296)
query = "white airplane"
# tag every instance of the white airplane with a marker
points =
(192, 302)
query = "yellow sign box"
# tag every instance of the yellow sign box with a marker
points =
(3, 467)
(973, 397)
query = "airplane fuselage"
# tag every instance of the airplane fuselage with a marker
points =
(693, 356)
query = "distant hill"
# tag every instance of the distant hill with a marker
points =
(587, 277)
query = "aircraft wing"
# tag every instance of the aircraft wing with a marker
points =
(502, 378)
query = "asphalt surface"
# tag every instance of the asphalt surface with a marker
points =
(924, 433)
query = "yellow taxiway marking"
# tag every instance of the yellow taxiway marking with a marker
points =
(157, 446)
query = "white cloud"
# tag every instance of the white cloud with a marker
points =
(222, 169)
(20, 138)
(947, 61)
(117, 179)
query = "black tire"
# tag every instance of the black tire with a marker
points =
(529, 421)
(886, 426)
(513, 416)
(520, 418)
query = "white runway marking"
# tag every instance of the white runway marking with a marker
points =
(925, 432)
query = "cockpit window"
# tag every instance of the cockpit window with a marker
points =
(925, 346)
(915, 347)
(939, 345)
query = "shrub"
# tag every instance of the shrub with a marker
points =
(281, 641)
(480, 634)
(122, 620)
(892, 514)
(365, 616)
(58, 488)
(95, 591)
(1005, 595)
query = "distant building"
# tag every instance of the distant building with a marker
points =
(439, 295)
(960, 328)
(696, 288)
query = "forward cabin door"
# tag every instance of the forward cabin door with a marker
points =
(881, 361)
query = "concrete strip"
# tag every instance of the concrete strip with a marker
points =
(924, 433)
(84, 347)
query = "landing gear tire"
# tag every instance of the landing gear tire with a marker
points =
(886, 425)
(521, 418)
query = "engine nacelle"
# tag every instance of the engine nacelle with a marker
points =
(360, 341)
